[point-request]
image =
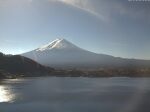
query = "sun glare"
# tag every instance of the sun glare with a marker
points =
(5, 95)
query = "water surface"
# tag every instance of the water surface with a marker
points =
(55, 94)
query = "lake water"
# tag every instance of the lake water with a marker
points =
(54, 94)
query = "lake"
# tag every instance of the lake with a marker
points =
(64, 94)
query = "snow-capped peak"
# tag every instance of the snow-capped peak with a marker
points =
(57, 44)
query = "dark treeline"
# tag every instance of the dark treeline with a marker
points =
(14, 66)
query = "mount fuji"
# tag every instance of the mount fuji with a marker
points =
(61, 53)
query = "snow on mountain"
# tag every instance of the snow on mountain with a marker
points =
(63, 54)
(58, 44)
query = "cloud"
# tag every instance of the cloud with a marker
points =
(84, 5)
(106, 9)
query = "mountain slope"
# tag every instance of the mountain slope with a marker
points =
(63, 54)
(21, 65)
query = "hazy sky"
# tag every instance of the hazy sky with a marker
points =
(116, 27)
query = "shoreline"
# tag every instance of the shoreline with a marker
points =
(76, 77)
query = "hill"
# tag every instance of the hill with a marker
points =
(19, 66)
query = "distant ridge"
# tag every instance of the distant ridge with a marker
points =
(15, 65)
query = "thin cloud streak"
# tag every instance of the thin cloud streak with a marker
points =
(85, 6)
(106, 9)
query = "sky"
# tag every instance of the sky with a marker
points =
(115, 27)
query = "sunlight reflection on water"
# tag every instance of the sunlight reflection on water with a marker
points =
(78, 94)
(6, 94)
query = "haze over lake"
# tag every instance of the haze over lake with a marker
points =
(54, 94)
